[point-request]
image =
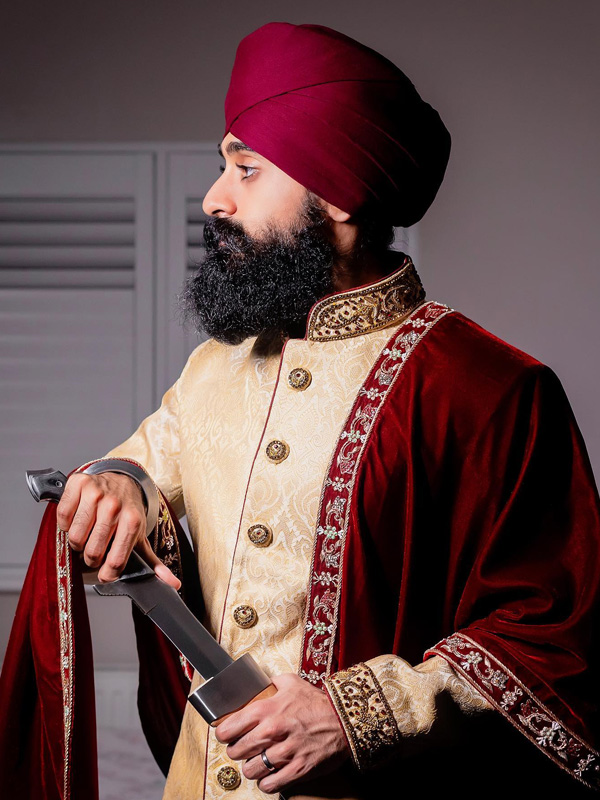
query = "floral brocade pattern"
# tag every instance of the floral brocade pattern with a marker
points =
(362, 310)
(321, 616)
(516, 702)
(368, 720)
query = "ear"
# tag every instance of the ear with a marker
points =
(334, 212)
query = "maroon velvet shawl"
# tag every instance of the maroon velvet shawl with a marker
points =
(48, 726)
(460, 518)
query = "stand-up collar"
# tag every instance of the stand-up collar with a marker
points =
(369, 308)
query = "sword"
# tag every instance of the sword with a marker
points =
(229, 685)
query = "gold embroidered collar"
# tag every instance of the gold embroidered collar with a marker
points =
(370, 308)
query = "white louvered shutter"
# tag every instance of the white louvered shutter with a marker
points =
(76, 320)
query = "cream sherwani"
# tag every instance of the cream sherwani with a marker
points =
(241, 444)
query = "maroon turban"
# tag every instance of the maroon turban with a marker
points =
(339, 118)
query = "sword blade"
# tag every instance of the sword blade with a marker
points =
(166, 609)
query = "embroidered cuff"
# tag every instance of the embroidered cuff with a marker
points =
(514, 700)
(164, 541)
(365, 714)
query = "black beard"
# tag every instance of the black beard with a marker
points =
(246, 286)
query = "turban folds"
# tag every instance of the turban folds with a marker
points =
(339, 118)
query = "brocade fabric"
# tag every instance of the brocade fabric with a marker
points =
(207, 449)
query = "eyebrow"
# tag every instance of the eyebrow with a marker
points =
(235, 147)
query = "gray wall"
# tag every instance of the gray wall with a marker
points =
(513, 239)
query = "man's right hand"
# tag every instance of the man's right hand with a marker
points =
(93, 509)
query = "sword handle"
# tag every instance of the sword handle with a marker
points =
(49, 484)
(268, 692)
(46, 484)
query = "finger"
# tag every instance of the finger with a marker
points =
(129, 529)
(279, 755)
(163, 572)
(266, 734)
(107, 515)
(67, 506)
(254, 768)
(241, 722)
(85, 515)
(291, 773)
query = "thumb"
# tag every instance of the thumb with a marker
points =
(163, 572)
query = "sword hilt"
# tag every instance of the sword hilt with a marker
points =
(46, 484)
(268, 692)
(49, 484)
(241, 683)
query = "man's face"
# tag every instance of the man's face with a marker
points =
(268, 255)
(253, 191)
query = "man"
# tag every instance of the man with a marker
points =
(369, 479)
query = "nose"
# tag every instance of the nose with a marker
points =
(219, 201)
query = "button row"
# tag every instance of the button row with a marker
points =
(277, 450)
(261, 535)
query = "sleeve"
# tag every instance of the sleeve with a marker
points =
(155, 446)
(384, 702)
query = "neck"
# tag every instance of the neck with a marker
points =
(354, 270)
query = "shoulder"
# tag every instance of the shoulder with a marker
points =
(213, 359)
(472, 368)
(461, 347)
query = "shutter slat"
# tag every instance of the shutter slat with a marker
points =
(72, 209)
(195, 234)
(67, 257)
(194, 210)
(66, 279)
(62, 233)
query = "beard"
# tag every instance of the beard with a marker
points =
(246, 286)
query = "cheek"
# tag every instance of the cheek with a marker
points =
(271, 206)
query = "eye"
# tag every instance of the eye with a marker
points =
(248, 171)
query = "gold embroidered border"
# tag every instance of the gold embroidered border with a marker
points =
(515, 701)
(65, 627)
(321, 614)
(368, 721)
(359, 311)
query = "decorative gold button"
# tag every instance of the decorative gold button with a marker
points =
(260, 535)
(245, 616)
(299, 379)
(277, 451)
(228, 778)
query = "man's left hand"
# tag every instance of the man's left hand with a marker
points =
(298, 729)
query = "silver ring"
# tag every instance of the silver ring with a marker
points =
(266, 762)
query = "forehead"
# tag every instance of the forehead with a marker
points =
(231, 145)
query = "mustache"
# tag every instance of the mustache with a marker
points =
(226, 237)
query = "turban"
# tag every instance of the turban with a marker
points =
(339, 118)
